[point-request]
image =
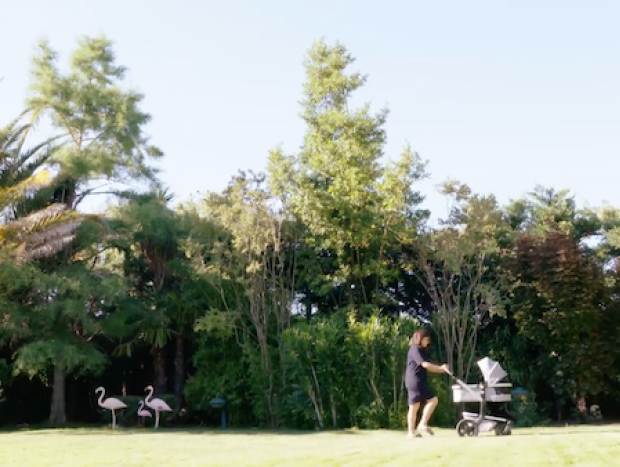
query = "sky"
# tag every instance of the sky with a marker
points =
(500, 95)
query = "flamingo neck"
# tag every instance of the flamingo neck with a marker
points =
(100, 401)
(147, 399)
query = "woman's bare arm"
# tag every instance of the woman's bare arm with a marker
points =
(433, 368)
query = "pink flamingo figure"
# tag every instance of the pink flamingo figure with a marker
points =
(111, 403)
(157, 404)
(142, 412)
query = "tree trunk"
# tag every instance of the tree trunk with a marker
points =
(71, 399)
(58, 415)
(332, 402)
(179, 372)
(582, 408)
(159, 369)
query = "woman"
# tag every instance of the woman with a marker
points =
(417, 386)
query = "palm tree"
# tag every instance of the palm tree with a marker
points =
(33, 226)
(148, 234)
(30, 233)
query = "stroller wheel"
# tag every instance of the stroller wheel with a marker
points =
(467, 428)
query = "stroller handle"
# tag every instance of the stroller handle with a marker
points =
(453, 376)
(462, 384)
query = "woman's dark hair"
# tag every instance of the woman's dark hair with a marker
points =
(417, 337)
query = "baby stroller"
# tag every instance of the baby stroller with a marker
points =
(493, 392)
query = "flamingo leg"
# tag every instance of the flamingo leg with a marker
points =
(113, 418)
(157, 419)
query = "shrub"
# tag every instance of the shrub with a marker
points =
(527, 412)
(221, 371)
(334, 373)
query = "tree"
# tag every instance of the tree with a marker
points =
(99, 125)
(29, 234)
(148, 237)
(99, 136)
(545, 209)
(253, 265)
(52, 315)
(158, 262)
(561, 305)
(454, 268)
(352, 207)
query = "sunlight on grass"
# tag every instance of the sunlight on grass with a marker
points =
(582, 446)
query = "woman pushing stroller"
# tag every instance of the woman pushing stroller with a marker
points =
(417, 385)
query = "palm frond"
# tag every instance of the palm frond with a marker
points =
(47, 215)
(34, 158)
(11, 135)
(44, 250)
(42, 233)
(23, 176)
(17, 162)
(17, 192)
(53, 232)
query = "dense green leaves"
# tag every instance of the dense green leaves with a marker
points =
(98, 135)
(561, 305)
(100, 123)
(352, 207)
(291, 293)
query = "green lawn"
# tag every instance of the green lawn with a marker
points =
(578, 446)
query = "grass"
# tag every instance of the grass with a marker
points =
(581, 446)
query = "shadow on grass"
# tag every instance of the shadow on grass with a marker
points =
(565, 431)
(73, 430)
(102, 430)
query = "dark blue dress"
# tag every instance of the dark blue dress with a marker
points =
(416, 377)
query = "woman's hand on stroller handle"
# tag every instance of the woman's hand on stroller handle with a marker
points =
(446, 368)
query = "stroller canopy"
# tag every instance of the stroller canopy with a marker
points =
(492, 372)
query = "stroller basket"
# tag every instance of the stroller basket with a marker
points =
(471, 393)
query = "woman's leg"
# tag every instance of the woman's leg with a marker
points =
(411, 418)
(429, 408)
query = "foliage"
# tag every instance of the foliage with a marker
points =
(100, 128)
(545, 210)
(351, 206)
(30, 234)
(340, 373)
(291, 293)
(148, 236)
(253, 266)
(527, 412)
(558, 306)
(221, 371)
(98, 135)
(55, 316)
(454, 268)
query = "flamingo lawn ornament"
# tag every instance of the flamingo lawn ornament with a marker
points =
(142, 413)
(111, 403)
(157, 404)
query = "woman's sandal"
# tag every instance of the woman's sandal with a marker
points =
(414, 435)
(426, 429)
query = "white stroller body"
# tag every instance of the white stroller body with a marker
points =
(495, 389)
